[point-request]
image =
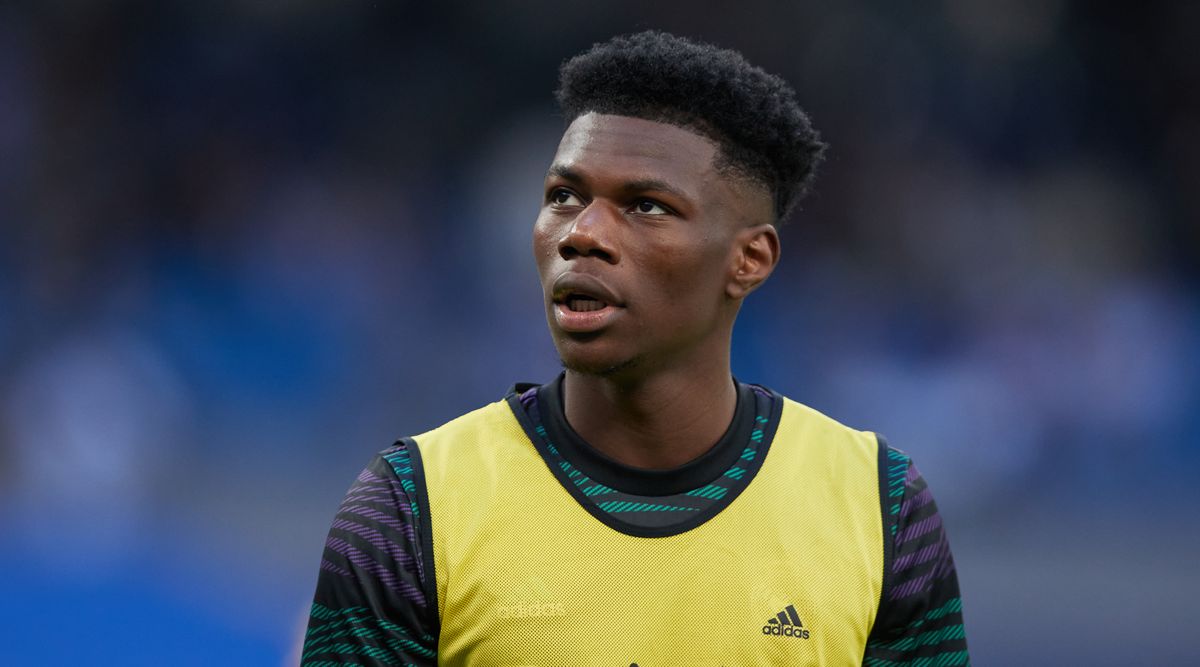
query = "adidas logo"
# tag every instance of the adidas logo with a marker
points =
(786, 624)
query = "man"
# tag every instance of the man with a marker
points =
(645, 508)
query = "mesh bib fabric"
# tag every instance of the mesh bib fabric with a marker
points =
(789, 573)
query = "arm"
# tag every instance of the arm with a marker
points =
(920, 616)
(371, 605)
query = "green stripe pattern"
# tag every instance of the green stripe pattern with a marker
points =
(918, 639)
(897, 471)
(650, 510)
(401, 461)
(951, 659)
(344, 634)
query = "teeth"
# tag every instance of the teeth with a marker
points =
(584, 304)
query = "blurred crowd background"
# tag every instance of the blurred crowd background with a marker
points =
(244, 245)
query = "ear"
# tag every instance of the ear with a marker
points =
(755, 256)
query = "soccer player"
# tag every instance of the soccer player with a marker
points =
(644, 507)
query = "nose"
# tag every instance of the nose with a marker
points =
(591, 234)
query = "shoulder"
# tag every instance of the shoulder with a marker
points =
(814, 416)
(494, 415)
(479, 439)
(804, 423)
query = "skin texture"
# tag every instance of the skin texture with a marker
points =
(634, 211)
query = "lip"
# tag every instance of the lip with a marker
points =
(586, 285)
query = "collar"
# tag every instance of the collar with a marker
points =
(641, 481)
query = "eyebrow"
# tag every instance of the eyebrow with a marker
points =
(634, 186)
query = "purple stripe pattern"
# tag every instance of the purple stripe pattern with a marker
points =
(919, 529)
(920, 619)
(371, 599)
(374, 538)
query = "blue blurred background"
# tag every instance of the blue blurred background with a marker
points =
(244, 245)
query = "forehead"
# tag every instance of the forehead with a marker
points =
(635, 148)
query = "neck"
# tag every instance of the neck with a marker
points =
(657, 422)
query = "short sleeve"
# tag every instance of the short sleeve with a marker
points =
(371, 605)
(920, 619)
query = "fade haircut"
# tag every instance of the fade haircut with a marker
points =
(752, 116)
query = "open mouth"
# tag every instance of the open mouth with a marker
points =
(582, 303)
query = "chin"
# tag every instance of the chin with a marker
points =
(606, 366)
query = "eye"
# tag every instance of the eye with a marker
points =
(564, 197)
(650, 207)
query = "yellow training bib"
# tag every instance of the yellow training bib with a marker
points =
(789, 573)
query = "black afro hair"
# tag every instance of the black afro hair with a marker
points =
(751, 115)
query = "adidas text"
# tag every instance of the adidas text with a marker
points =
(785, 631)
(786, 623)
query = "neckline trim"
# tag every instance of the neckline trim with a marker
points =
(642, 481)
(538, 438)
